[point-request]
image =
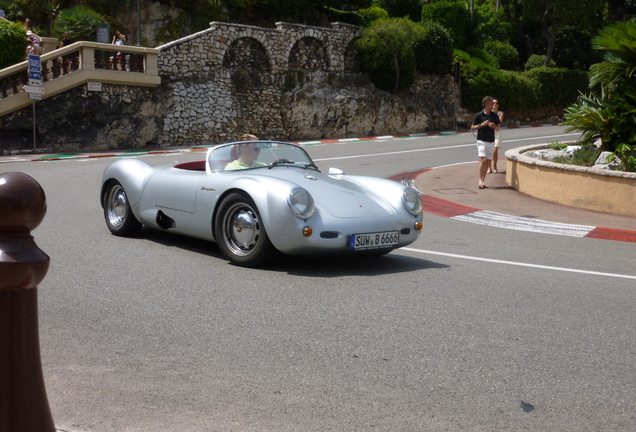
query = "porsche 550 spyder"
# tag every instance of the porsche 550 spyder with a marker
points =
(275, 200)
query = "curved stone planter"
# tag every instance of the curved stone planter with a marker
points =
(576, 186)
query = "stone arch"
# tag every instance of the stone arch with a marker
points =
(352, 57)
(308, 54)
(247, 53)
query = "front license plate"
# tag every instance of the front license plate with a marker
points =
(374, 240)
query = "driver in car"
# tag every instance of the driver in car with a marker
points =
(246, 155)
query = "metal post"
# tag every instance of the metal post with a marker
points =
(456, 85)
(138, 22)
(23, 266)
(34, 144)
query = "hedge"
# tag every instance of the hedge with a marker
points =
(434, 53)
(453, 16)
(530, 89)
(514, 89)
(13, 43)
(558, 86)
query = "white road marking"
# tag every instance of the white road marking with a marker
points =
(499, 220)
(520, 264)
(472, 144)
(396, 152)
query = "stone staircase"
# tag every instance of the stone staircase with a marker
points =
(77, 64)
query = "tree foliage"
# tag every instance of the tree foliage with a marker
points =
(506, 55)
(452, 15)
(492, 34)
(434, 52)
(401, 8)
(13, 42)
(611, 117)
(80, 21)
(371, 14)
(387, 45)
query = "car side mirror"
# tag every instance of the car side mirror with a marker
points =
(335, 171)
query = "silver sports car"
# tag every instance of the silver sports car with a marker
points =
(254, 198)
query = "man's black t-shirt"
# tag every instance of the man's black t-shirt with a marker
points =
(486, 133)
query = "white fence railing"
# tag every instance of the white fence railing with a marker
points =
(77, 64)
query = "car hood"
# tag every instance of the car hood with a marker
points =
(338, 195)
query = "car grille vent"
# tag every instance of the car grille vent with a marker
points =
(164, 221)
(329, 234)
(405, 231)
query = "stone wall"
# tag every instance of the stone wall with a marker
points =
(293, 82)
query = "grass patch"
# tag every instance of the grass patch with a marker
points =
(585, 156)
(557, 145)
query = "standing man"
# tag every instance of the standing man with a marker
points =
(485, 123)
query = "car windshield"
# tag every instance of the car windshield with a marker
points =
(257, 155)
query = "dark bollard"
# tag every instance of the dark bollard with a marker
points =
(24, 406)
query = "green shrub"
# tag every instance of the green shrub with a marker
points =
(453, 16)
(624, 153)
(474, 67)
(462, 59)
(383, 75)
(401, 8)
(506, 54)
(495, 26)
(80, 21)
(336, 15)
(172, 28)
(13, 43)
(479, 53)
(474, 62)
(386, 52)
(13, 11)
(434, 53)
(557, 86)
(585, 156)
(572, 49)
(590, 117)
(371, 14)
(558, 145)
(536, 61)
(469, 66)
(514, 88)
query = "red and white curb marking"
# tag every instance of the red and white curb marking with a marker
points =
(57, 157)
(414, 135)
(431, 204)
(464, 213)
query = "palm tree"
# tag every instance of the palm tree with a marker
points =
(51, 10)
(612, 116)
(619, 65)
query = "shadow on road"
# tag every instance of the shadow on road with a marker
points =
(328, 266)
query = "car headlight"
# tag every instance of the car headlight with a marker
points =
(301, 203)
(412, 201)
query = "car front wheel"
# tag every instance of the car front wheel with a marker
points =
(240, 232)
(119, 217)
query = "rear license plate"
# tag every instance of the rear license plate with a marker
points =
(374, 240)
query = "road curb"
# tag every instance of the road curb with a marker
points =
(431, 204)
(64, 156)
(451, 210)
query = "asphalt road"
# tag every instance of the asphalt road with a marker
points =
(472, 328)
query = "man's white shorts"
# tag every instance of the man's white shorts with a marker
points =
(485, 149)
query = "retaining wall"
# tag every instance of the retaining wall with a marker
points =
(576, 186)
(292, 82)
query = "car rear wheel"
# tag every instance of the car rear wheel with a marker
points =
(119, 217)
(240, 232)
